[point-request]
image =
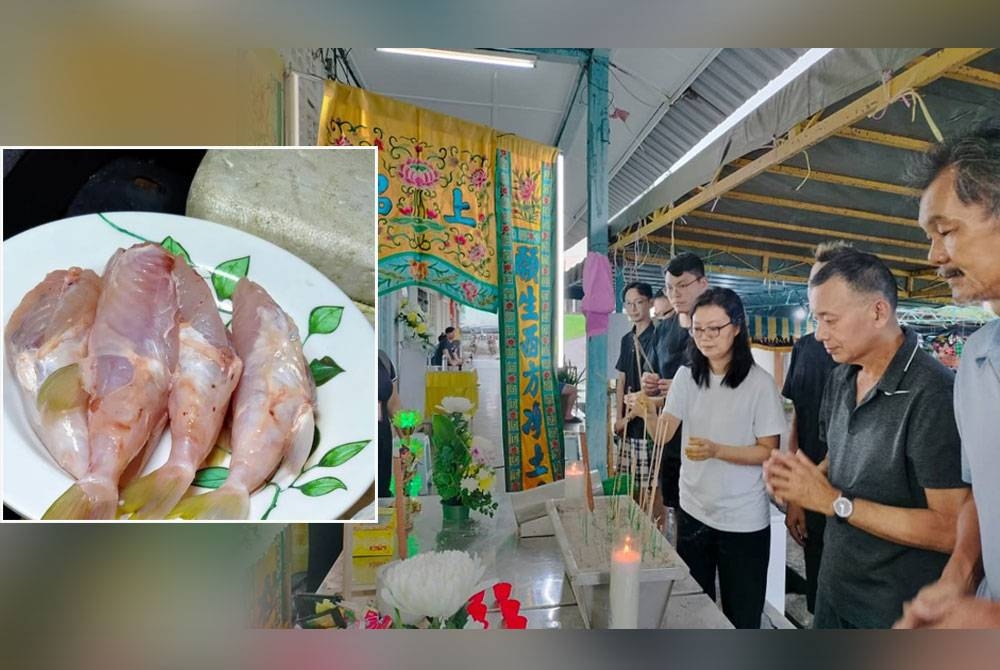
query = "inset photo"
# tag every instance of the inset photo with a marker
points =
(188, 334)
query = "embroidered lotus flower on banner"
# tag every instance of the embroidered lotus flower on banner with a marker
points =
(435, 187)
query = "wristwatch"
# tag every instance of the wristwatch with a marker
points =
(843, 507)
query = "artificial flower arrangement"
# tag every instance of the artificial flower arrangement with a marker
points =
(415, 323)
(410, 451)
(441, 589)
(461, 474)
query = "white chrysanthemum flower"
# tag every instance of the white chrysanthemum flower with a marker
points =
(470, 484)
(482, 449)
(453, 405)
(434, 584)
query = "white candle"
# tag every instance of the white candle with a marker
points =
(625, 562)
(575, 482)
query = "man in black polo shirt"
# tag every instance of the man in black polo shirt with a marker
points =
(634, 359)
(807, 374)
(892, 476)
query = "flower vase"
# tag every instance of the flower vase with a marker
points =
(454, 512)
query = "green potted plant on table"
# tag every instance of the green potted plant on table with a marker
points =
(461, 475)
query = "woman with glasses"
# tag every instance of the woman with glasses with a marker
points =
(732, 420)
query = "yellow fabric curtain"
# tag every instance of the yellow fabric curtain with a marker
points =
(437, 225)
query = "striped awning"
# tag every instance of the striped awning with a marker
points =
(772, 328)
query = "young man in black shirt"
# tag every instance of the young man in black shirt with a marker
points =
(633, 360)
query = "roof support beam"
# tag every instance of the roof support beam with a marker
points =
(846, 212)
(975, 76)
(819, 232)
(870, 103)
(831, 178)
(885, 139)
(759, 253)
(810, 246)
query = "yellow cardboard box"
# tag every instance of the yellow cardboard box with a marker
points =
(377, 539)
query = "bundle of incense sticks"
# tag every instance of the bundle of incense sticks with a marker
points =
(397, 473)
(585, 455)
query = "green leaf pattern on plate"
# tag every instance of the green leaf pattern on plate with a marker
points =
(323, 320)
(226, 274)
(211, 478)
(324, 369)
(174, 247)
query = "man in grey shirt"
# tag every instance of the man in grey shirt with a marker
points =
(960, 212)
(892, 476)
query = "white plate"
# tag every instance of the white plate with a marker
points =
(345, 405)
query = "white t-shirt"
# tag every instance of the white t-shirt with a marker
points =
(723, 495)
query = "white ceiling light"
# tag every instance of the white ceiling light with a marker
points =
(526, 60)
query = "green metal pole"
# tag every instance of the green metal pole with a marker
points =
(597, 240)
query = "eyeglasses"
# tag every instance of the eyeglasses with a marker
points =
(675, 288)
(710, 332)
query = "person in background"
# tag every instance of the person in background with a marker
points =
(633, 359)
(732, 421)
(804, 383)
(388, 405)
(892, 474)
(454, 346)
(662, 309)
(960, 213)
(437, 358)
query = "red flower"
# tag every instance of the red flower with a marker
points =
(431, 214)
(459, 239)
(482, 217)
(406, 211)
(501, 591)
(511, 619)
(379, 144)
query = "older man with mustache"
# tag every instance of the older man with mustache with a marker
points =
(960, 212)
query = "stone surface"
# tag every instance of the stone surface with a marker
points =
(319, 204)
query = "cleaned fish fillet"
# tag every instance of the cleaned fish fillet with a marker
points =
(208, 370)
(45, 340)
(273, 407)
(131, 359)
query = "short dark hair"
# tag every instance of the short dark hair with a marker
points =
(660, 294)
(449, 329)
(685, 262)
(742, 361)
(442, 337)
(864, 273)
(975, 157)
(827, 251)
(642, 287)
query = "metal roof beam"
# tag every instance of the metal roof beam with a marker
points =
(831, 178)
(819, 232)
(870, 103)
(749, 251)
(776, 241)
(885, 139)
(846, 212)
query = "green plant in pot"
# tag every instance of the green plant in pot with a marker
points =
(461, 475)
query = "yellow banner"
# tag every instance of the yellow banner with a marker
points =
(437, 225)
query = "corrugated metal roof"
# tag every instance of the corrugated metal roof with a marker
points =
(732, 78)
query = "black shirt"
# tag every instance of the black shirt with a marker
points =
(438, 357)
(670, 352)
(900, 440)
(671, 349)
(628, 364)
(386, 379)
(804, 384)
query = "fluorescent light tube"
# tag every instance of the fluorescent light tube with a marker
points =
(467, 56)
